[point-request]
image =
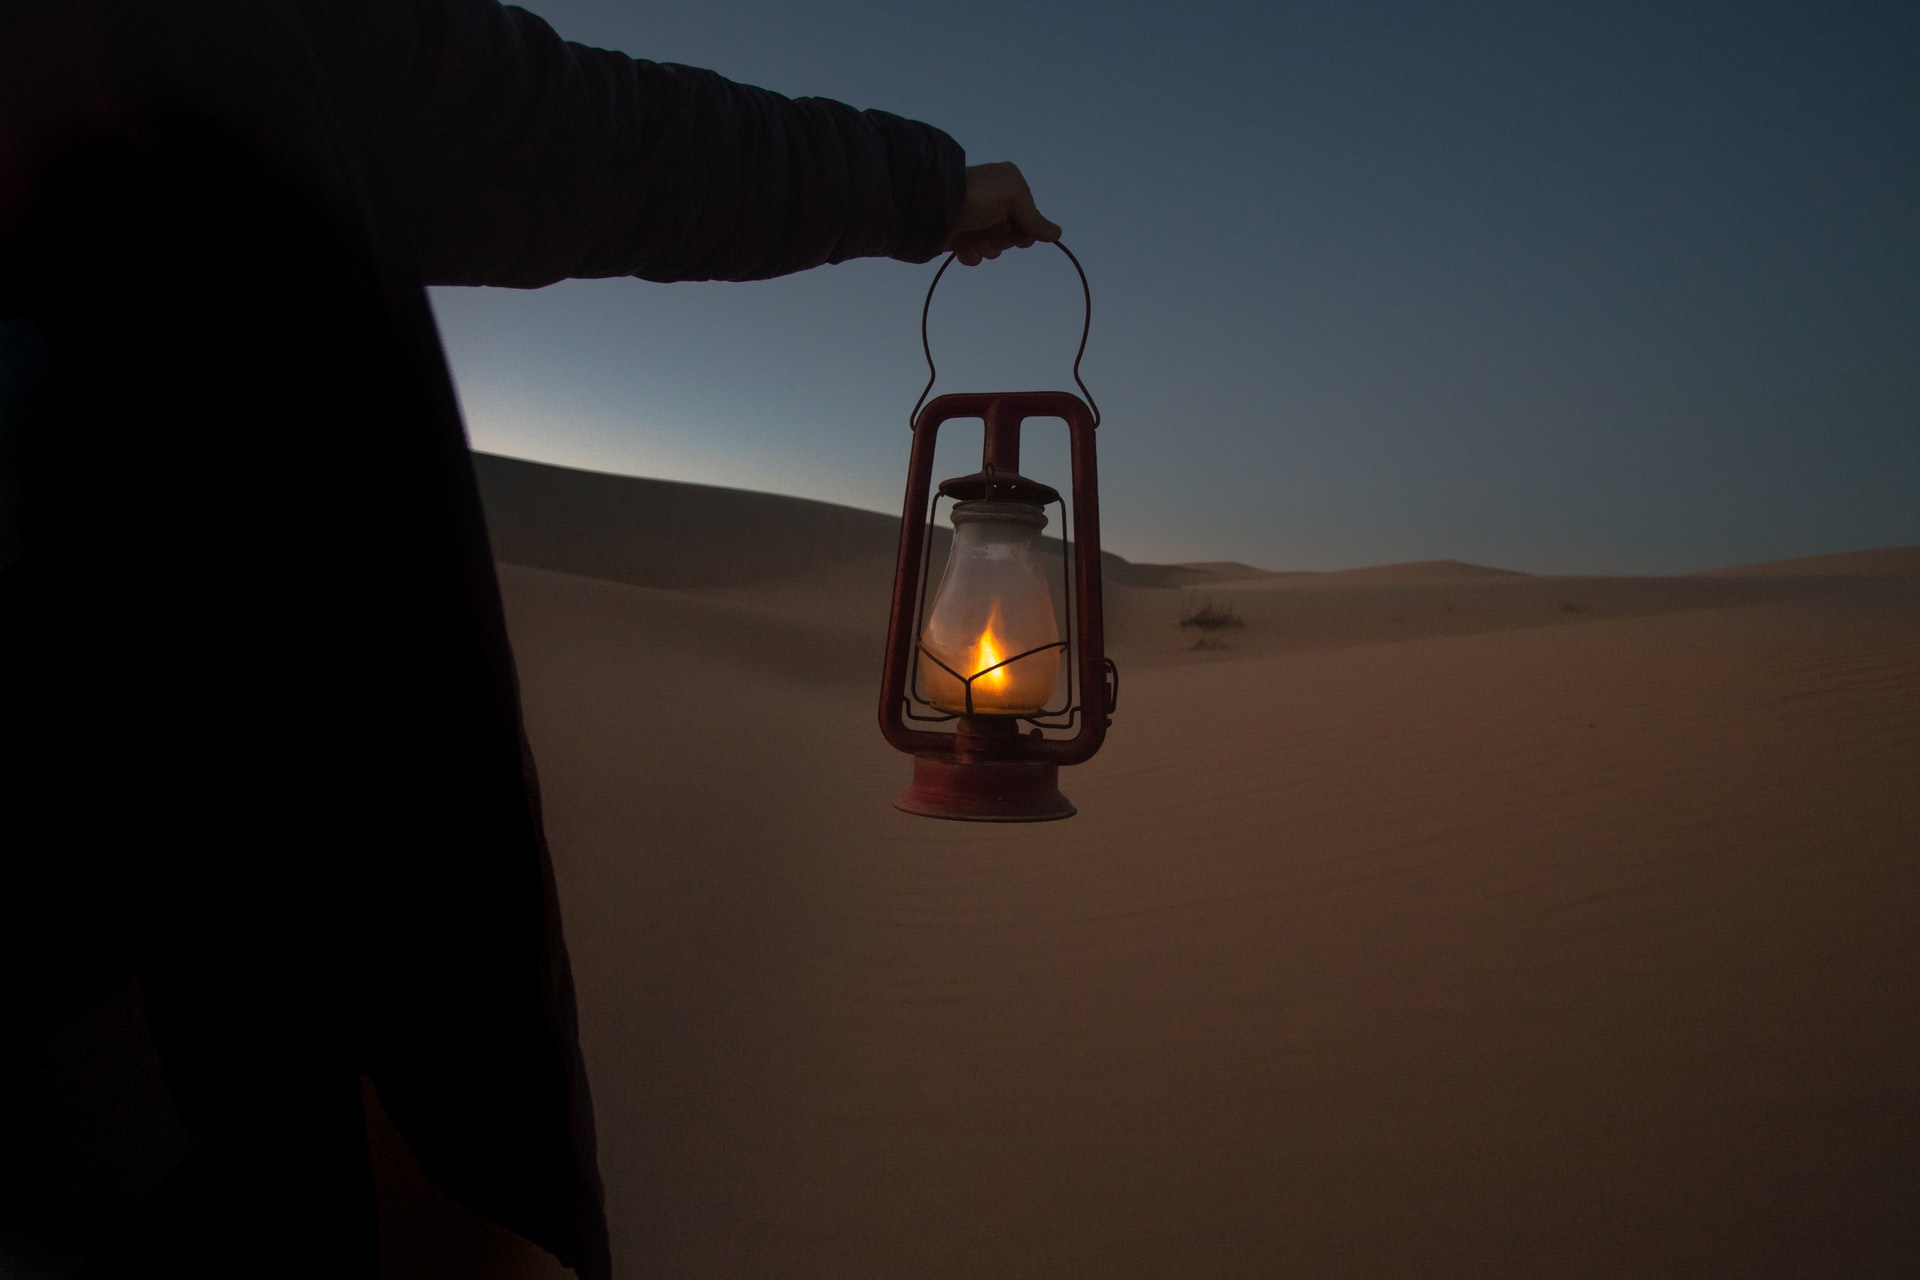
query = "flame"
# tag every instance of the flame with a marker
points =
(987, 654)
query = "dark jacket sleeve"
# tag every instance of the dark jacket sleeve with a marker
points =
(517, 158)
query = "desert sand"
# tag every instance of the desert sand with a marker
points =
(1435, 920)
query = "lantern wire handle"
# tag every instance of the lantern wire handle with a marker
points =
(1086, 327)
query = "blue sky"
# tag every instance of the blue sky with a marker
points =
(1567, 288)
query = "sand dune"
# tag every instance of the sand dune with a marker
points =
(658, 533)
(1487, 925)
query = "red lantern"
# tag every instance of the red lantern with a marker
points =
(987, 652)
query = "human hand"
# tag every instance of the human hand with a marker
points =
(998, 213)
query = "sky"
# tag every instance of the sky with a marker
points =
(1611, 288)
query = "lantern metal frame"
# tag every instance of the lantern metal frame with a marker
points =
(988, 769)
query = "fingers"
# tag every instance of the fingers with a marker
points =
(979, 246)
(998, 213)
(1029, 222)
(991, 242)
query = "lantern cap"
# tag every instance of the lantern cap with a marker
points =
(999, 486)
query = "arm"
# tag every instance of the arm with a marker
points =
(517, 158)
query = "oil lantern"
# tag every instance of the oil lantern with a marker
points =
(998, 676)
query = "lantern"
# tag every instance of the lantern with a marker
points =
(998, 677)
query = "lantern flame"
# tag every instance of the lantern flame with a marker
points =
(987, 656)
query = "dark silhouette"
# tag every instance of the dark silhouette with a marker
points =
(262, 750)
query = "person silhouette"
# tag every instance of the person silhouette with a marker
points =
(262, 745)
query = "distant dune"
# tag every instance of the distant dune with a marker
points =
(1888, 562)
(1224, 569)
(1434, 920)
(1426, 571)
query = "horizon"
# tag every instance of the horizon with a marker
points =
(1234, 561)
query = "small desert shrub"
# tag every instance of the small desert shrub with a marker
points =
(1208, 616)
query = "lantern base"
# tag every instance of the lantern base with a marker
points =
(985, 791)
